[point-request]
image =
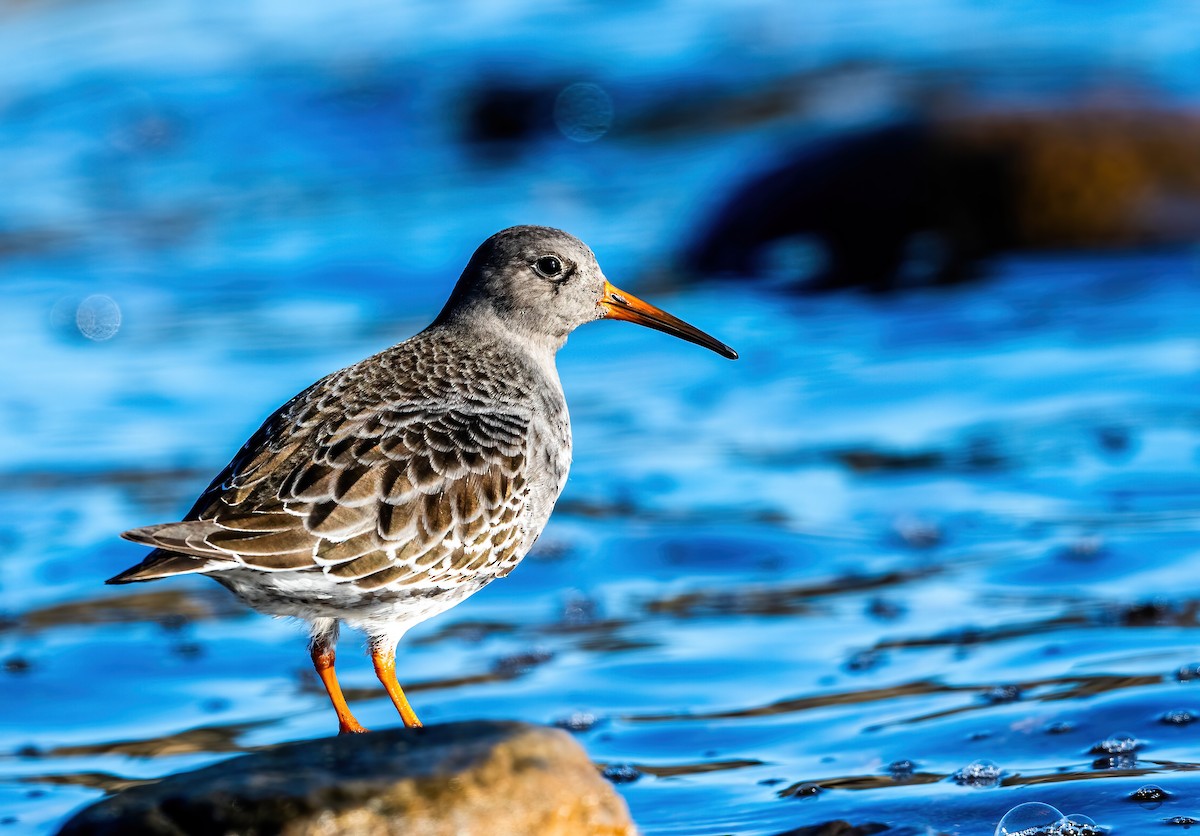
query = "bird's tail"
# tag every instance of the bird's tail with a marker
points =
(160, 564)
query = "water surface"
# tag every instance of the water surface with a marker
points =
(899, 537)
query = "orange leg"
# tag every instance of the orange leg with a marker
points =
(323, 656)
(384, 659)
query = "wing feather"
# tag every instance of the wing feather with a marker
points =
(395, 495)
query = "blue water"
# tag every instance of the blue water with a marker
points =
(944, 527)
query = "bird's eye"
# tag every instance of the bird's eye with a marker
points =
(548, 266)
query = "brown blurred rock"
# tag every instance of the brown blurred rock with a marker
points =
(460, 778)
(1093, 177)
(925, 201)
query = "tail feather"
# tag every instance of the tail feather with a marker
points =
(161, 564)
(181, 550)
(183, 537)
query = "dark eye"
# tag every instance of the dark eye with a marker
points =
(548, 266)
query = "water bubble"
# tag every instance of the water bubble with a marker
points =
(577, 721)
(1036, 819)
(1188, 673)
(979, 774)
(1060, 727)
(622, 773)
(1077, 824)
(1178, 717)
(98, 317)
(1028, 818)
(1120, 743)
(583, 112)
(1151, 795)
(1002, 694)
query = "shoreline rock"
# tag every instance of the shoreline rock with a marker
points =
(458, 778)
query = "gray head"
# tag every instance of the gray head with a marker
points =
(543, 283)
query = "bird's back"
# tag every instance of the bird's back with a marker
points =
(434, 461)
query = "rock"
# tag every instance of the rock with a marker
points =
(458, 778)
(837, 828)
(925, 201)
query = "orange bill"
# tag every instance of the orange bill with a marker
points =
(617, 304)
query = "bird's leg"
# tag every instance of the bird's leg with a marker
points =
(321, 648)
(383, 656)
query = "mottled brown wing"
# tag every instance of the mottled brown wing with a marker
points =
(403, 495)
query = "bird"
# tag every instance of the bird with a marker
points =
(389, 491)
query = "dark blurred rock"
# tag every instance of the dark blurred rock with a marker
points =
(17, 664)
(867, 460)
(837, 828)
(503, 115)
(923, 202)
(475, 777)
(864, 198)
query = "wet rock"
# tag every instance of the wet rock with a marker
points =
(482, 776)
(979, 774)
(870, 460)
(17, 664)
(622, 773)
(1182, 821)
(1059, 727)
(926, 201)
(804, 789)
(837, 828)
(1158, 613)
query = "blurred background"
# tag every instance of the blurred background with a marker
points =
(927, 552)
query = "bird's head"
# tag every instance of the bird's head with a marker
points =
(545, 283)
